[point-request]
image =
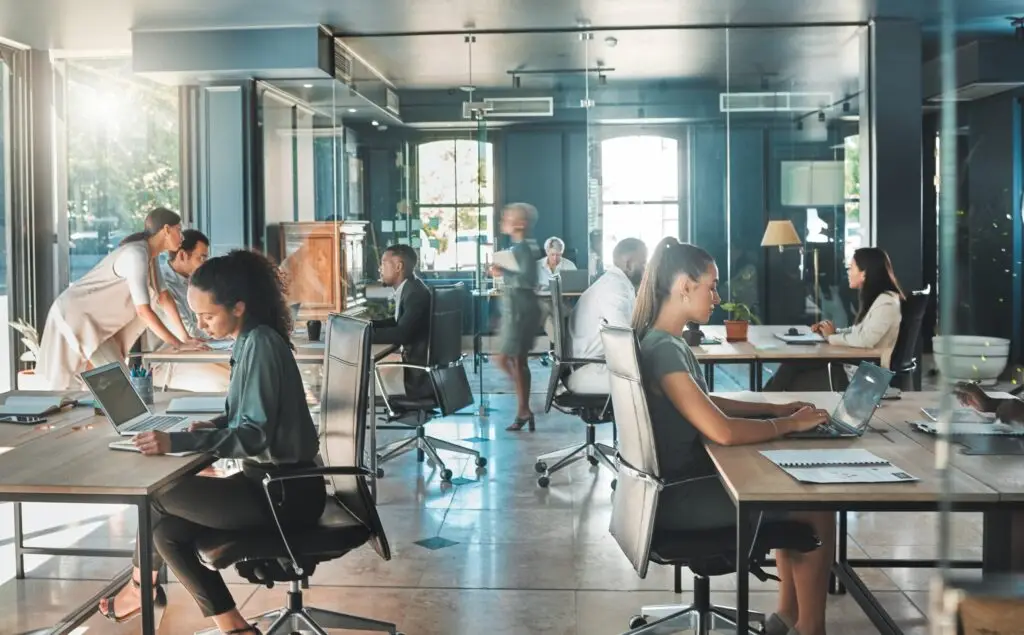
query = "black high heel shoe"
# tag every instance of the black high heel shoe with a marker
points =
(160, 599)
(519, 422)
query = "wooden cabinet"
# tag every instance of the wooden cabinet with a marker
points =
(323, 262)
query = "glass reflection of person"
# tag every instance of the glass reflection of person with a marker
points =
(520, 308)
(99, 317)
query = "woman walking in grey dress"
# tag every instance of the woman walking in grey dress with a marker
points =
(520, 315)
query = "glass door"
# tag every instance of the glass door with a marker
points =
(7, 341)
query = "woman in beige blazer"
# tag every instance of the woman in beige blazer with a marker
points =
(877, 324)
(98, 318)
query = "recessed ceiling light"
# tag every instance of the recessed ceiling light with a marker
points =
(611, 41)
(307, 85)
(374, 123)
(351, 109)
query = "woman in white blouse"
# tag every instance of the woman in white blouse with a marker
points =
(877, 324)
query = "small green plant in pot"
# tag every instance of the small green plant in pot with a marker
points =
(740, 318)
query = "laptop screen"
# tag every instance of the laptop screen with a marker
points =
(110, 385)
(863, 395)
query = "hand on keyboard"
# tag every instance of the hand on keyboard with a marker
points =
(153, 442)
(807, 419)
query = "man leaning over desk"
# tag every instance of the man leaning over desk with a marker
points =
(410, 326)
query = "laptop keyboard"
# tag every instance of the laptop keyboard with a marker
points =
(163, 422)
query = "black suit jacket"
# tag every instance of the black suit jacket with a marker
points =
(411, 330)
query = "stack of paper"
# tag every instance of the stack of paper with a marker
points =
(837, 466)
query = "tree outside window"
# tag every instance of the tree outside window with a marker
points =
(455, 203)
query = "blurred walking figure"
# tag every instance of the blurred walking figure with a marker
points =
(520, 314)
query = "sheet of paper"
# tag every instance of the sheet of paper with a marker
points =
(961, 415)
(506, 260)
(990, 429)
(850, 456)
(865, 474)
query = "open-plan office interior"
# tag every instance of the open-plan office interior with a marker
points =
(848, 172)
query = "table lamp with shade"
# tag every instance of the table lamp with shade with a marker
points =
(782, 234)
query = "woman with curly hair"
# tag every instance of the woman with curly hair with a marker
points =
(266, 424)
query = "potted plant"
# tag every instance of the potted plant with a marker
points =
(27, 379)
(740, 317)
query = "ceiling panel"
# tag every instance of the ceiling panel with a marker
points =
(105, 24)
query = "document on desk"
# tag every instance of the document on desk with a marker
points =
(802, 338)
(837, 466)
(961, 415)
(197, 405)
(994, 429)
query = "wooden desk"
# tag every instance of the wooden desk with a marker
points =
(13, 434)
(757, 486)
(305, 353)
(72, 464)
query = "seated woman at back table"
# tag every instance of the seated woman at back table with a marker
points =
(267, 424)
(680, 286)
(877, 325)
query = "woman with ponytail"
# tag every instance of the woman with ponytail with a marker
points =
(98, 318)
(680, 286)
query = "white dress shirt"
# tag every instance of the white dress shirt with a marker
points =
(398, 296)
(545, 274)
(610, 300)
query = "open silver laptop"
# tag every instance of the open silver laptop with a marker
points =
(124, 408)
(575, 281)
(855, 409)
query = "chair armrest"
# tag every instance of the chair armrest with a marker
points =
(579, 361)
(402, 365)
(286, 475)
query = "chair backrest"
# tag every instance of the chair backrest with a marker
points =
(348, 361)
(912, 312)
(445, 324)
(563, 347)
(636, 495)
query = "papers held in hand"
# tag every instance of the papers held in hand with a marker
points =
(506, 260)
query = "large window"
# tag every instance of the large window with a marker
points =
(122, 151)
(851, 194)
(455, 202)
(640, 192)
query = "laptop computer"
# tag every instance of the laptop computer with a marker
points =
(123, 406)
(575, 281)
(855, 409)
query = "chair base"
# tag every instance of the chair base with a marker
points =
(671, 619)
(426, 446)
(700, 618)
(295, 618)
(594, 452)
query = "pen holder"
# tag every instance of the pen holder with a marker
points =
(144, 386)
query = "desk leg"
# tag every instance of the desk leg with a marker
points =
(709, 376)
(758, 376)
(835, 586)
(146, 566)
(744, 538)
(19, 543)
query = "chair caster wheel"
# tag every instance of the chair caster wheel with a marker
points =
(637, 621)
(543, 481)
(380, 472)
(615, 484)
(540, 467)
(592, 461)
(446, 475)
(481, 461)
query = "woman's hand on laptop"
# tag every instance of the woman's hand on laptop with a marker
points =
(201, 425)
(152, 442)
(805, 419)
(971, 395)
(824, 328)
(787, 409)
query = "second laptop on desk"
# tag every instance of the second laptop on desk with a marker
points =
(855, 409)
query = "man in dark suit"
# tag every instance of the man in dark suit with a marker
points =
(410, 327)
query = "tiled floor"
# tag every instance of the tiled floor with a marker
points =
(524, 560)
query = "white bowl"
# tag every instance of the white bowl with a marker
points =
(971, 357)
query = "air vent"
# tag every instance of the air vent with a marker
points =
(391, 101)
(773, 102)
(510, 107)
(342, 63)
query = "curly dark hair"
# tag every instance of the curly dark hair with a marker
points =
(249, 277)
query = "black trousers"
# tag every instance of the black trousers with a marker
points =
(810, 376)
(196, 504)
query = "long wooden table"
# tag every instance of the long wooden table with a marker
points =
(757, 486)
(69, 462)
(763, 347)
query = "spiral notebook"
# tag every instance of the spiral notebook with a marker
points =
(837, 466)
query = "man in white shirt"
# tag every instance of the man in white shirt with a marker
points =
(610, 300)
(176, 270)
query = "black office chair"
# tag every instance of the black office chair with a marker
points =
(451, 390)
(635, 510)
(592, 409)
(904, 360)
(350, 519)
